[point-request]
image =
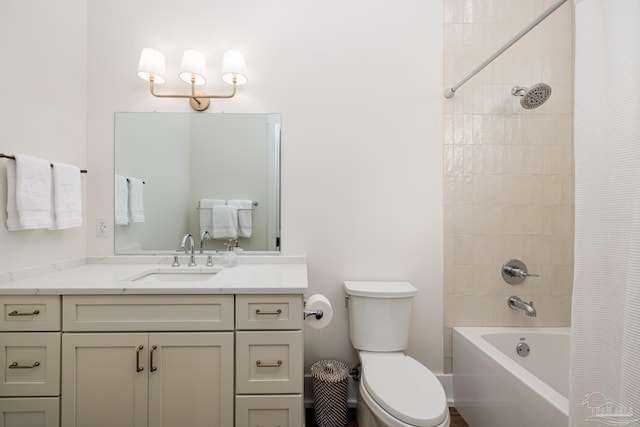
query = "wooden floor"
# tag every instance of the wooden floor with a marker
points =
(456, 419)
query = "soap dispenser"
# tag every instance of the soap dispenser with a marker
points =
(230, 257)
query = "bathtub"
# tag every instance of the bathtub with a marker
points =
(493, 386)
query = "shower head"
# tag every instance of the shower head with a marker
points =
(534, 96)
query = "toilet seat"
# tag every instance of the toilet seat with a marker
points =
(405, 388)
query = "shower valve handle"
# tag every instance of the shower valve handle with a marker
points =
(515, 271)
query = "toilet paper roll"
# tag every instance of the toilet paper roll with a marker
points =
(319, 302)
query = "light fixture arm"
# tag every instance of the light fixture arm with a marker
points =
(199, 100)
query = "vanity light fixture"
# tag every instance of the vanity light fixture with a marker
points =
(192, 70)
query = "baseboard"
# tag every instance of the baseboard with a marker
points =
(447, 383)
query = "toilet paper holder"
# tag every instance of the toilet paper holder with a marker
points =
(318, 307)
(317, 313)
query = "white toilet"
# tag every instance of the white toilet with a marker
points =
(395, 390)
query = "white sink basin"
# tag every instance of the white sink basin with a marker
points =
(173, 275)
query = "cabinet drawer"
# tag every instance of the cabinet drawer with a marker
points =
(269, 362)
(30, 364)
(30, 411)
(258, 411)
(30, 313)
(148, 313)
(257, 312)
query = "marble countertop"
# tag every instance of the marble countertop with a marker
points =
(114, 275)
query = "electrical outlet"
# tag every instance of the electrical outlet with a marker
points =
(102, 227)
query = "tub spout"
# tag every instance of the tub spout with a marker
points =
(516, 303)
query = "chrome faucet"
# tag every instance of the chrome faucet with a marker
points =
(516, 303)
(204, 235)
(192, 245)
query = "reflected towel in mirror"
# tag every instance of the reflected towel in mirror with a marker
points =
(245, 213)
(136, 200)
(225, 222)
(206, 214)
(121, 200)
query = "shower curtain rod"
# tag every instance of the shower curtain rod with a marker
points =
(449, 92)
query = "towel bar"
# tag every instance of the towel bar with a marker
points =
(7, 156)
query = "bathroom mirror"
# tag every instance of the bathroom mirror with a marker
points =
(183, 158)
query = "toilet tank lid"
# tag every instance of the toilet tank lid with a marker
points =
(380, 289)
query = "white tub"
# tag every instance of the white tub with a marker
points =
(495, 387)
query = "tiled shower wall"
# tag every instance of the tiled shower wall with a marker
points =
(509, 186)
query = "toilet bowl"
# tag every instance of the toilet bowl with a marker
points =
(395, 389)
(398, 391)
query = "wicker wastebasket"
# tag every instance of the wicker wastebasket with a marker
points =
(330, 380)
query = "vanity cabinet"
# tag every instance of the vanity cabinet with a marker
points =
(152, 360)
(269, 360)
(30, 357)
(180, 376)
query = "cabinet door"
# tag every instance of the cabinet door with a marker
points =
(29, 313)
(269, 362)
(269, 410)
(30, 412)
(31, 364)
(191, 379)
(264, 312)
(104, 380)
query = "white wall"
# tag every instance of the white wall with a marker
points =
(359, 87)
(43, 99)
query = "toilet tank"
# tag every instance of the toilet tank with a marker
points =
(379, 314)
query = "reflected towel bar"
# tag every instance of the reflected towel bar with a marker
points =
(7, 156)
(130, 181)
(253, 203)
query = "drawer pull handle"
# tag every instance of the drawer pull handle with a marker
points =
(15, 365)
(138, 367)
(17, 313)
(152, 368)
(261, 364)
(276, 312)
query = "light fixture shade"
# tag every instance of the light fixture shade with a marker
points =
(193, 63)
(233, 63)
(151, 62)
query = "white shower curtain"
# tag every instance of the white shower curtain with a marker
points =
(604, 386)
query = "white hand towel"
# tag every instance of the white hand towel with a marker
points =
(67, 197)
(121, 200)
(206, 214)
(245, 213)
(33, 192)
(136, 200)
(225, 222)
(13, 217)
